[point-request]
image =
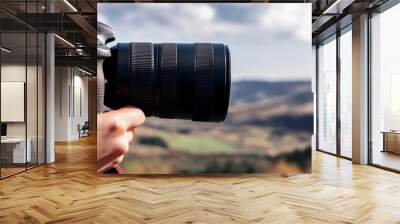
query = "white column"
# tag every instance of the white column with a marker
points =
(50, 99)
(360, 90)
(50, 92)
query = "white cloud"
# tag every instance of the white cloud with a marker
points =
(102, 18)
(288, 19)
(267, 41)
(201, 12)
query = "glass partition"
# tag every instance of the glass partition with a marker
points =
(35, 89)
(31, 98)
(41, 96)
(14, 153)
(22, 89)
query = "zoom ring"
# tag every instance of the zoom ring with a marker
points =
(141, 76)
(204, 89)
(169, 77)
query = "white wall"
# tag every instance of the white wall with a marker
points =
(71, 87)
(80, 89)
(61, 103)
(15, 73)
(12, 101)
(33, 126)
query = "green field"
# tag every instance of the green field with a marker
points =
(200, 144)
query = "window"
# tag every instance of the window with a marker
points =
(346, 93)
(385, 89)
(327, 96)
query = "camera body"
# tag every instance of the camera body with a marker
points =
(167, 80)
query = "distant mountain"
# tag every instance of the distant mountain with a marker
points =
(282, 105)
(253, 91)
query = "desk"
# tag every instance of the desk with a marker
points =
(391, 141)
(13, 150)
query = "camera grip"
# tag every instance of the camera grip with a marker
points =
(104, 35)
(100, 86)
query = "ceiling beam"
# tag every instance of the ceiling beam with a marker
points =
(338, 6)
(86, 26)
(81, 61)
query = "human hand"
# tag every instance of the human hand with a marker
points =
(114, 134)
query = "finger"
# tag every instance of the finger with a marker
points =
(104, 162)
(122, 120)
(129, 136)
(117, 148)
(114, 163)
(118, 160)
(134, 117)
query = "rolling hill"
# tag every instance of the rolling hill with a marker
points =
(283, 105)
(268, 129)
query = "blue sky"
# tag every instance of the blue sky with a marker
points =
(267, 41)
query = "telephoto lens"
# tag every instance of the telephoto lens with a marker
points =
(170, 80)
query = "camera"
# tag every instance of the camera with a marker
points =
(167, 80)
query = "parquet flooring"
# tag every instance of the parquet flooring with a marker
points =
(69, 191)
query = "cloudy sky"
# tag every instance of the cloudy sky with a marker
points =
(266, 41)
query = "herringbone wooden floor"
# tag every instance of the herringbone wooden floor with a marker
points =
(70, 191)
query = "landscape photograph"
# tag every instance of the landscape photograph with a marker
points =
(269, 125)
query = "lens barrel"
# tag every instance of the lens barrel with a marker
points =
(169, 80)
